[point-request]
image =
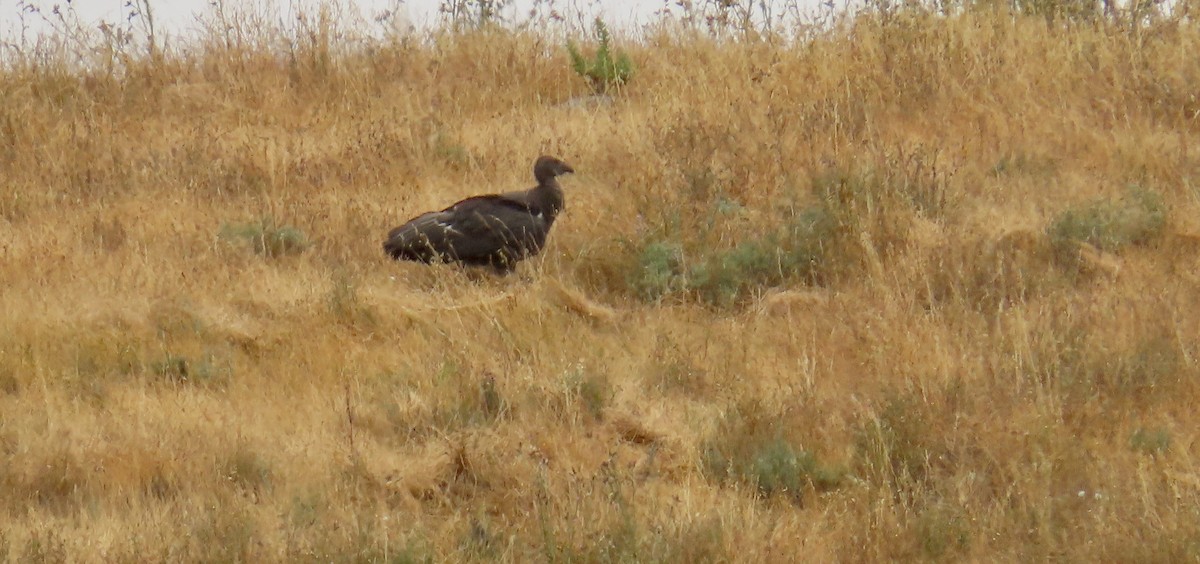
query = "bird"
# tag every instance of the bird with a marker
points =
(494, 230)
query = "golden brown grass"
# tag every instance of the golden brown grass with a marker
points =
(952, 382)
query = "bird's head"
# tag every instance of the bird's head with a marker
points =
(548, 167)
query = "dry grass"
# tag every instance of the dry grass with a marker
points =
(945, 375)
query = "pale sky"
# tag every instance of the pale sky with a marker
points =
(178, 17)
(175, 18)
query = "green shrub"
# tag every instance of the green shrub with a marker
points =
(754, 451)
(808, 238)
(795, 252)
(778, 468)
(604, 71)
(721, 252)
(1150, 441)
(267, 238)
(1109, 225)
(725, 277)
(659, 271)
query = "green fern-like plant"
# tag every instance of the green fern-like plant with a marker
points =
(604, 71)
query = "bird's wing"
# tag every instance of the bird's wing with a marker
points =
(518, 201)
(473, 229)
(490, 224)
(421, 238)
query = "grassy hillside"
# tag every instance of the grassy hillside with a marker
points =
(912, 287)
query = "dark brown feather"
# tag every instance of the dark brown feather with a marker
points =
(496, 230)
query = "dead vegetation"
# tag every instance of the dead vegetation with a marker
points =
(910, 286)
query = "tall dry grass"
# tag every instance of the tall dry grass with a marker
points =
(204, 354)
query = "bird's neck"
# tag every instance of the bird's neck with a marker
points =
(549, 195)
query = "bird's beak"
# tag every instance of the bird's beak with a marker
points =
(567, 168)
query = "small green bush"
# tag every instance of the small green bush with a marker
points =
(267, 238)
(724, 277)
(1109, 225)
(778, 468)
(754, 451)
(720, 252)
(1150, 441)
(604, 71)
(795, 252)
(659, 271)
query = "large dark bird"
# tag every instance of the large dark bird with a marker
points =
(496, 230)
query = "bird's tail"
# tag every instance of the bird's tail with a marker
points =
(412, 241)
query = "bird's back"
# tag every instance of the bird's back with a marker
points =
(495, 230)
